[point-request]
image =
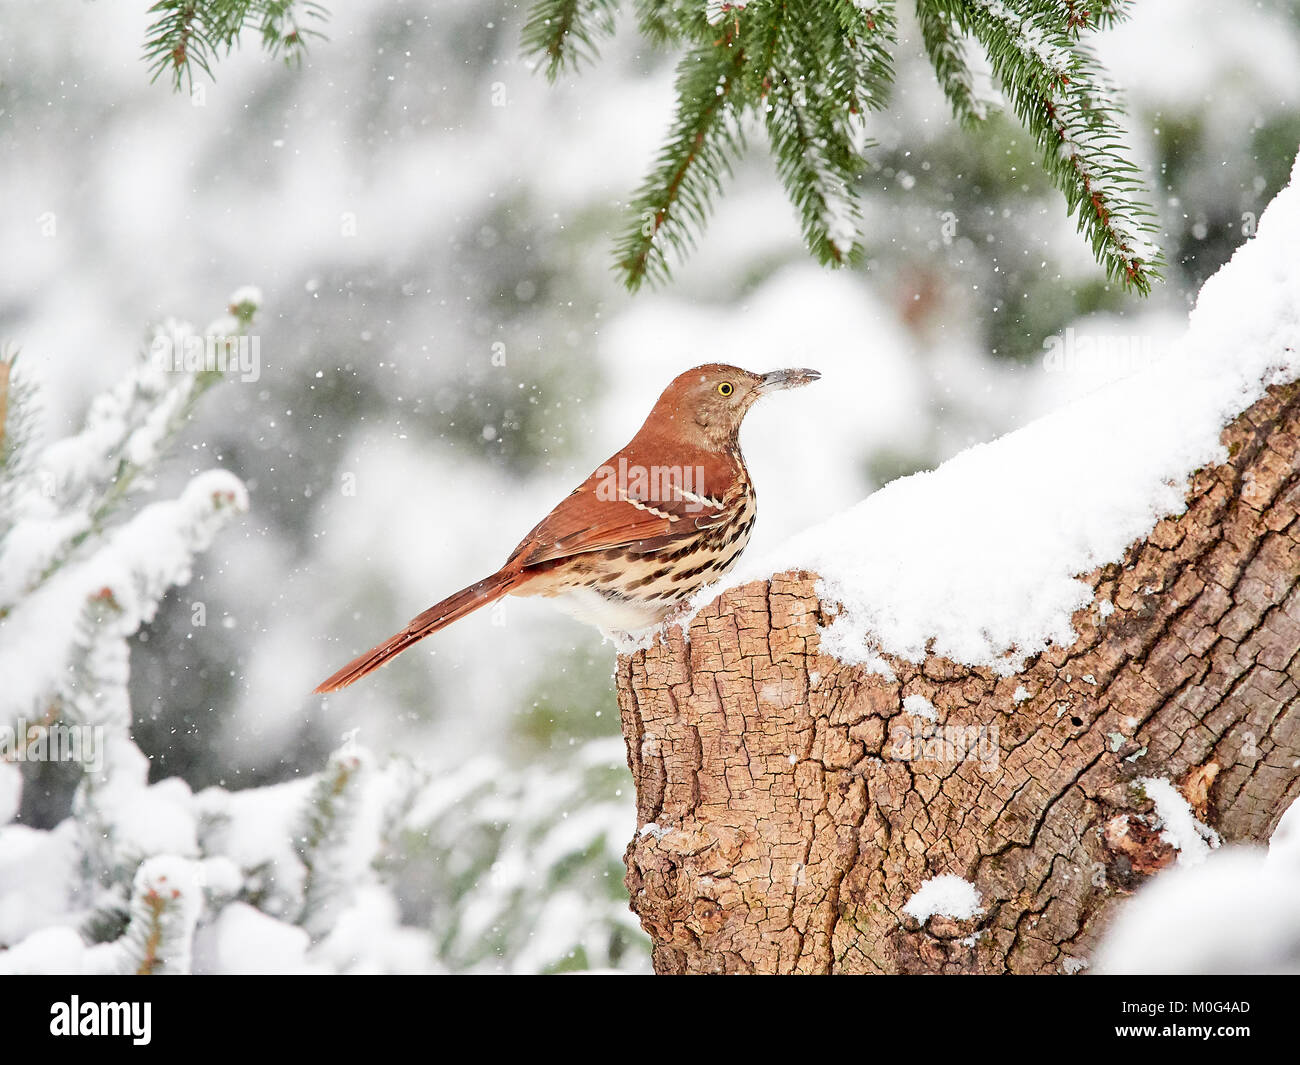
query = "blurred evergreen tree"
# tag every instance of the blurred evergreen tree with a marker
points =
(103, 870)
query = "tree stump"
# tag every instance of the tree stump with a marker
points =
(788, 805)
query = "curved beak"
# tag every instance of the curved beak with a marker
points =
(779, 379)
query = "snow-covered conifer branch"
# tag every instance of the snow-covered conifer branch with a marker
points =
(50, 505)
(62, 572)
(297, 876)
(323, 839)
(166, 900)
(945, 46)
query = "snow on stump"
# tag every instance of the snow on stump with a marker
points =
(1050, 669)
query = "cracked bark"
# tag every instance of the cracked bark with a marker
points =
(788, 807)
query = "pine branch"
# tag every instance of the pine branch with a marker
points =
(482, 836)
(813, 69)
(180, 38)
(1060, 96)
(18, 430)
(818, 175)
(100, 595)
(75, 487)
(944, 46)
(852, 49)
(193, 33)
(1076, 16)
(325, 835)
(872, 45)
(563, 33)
(166, 901)
(658, 19)
(675, 200)
(6, 364)
(818, 94)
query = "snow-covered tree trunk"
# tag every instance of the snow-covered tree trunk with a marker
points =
(792, 806)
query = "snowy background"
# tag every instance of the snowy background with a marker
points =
(445, 352)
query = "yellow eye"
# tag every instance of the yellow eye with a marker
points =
(726, 388)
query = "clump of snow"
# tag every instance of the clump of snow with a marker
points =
(1021, 695)
(243, 939)
(874, 663)
(1237, 911)
(53, 951)
(920, 706)
(246, 296)
(157, 820)
(1284, 846)
(946, 896)
(368, 937)
(36, 871)
(1179, 826)
(256, 831)
(140, 561)
(979, 560)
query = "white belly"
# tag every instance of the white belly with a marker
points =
(611, 616)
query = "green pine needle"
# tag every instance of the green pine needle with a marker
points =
(811, 70)
(675, 200)
(818, 173)
(944, 45)
(563, 33)
(1062, 98)
(813, 111)
(186, 34)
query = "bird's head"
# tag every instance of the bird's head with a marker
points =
(709, 402)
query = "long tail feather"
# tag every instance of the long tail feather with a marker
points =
(454, 607)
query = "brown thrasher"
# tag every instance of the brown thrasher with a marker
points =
(654, 524)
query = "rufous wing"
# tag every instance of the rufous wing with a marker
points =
(596, 516)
